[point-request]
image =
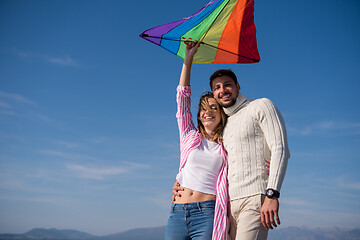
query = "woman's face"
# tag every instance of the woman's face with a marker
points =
(210, 117)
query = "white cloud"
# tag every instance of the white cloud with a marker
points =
(318, 218)
(61, 61)
(98, 140)
(135, 165)
(101, 172)
(65, 61)
(343, 183)
(21, 179)
(8, 113)
(295, 202)
(4, 105)
(67, 155)
(56, 200)
(97, 173)
(43, 117)
(13, 104)
(7, 137)
(66, 144)
(162, 200)
(333, 127)
(16, 98)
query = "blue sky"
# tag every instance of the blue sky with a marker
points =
(88, 135)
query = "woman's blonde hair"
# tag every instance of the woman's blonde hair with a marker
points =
(204, 104)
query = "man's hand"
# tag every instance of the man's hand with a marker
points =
(270, 212)
(175, 191)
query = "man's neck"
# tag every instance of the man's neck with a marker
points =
(240, 100)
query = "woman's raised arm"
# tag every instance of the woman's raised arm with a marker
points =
(191, 48)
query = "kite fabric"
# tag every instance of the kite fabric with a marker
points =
(225, 28)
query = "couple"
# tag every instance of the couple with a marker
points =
(215, 187)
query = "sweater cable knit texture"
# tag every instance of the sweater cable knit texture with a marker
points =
(255, 131)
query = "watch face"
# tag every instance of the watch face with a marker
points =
(271, 193)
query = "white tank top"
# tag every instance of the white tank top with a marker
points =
(202, 168)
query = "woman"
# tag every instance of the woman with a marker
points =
(200, 212)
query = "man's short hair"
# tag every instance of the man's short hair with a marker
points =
(223, 72)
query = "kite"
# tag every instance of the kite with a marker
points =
(225, 28)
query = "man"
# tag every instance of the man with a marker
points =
(255, 131)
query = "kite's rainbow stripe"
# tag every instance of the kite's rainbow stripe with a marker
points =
(225, 27)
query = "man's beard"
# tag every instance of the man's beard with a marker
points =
(228, 104)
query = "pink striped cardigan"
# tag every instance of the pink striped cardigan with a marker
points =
(190, 138)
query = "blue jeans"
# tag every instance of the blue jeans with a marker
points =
(191, 221)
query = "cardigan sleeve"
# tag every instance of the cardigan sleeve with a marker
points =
(273, 126)
(183, 115)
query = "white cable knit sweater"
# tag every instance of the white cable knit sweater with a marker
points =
(255, 131)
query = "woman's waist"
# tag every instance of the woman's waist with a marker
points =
(192, 196)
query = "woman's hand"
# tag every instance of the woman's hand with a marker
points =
(191, 49)
(175, 191)
(267, 165)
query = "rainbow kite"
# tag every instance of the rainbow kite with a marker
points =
(225, 28)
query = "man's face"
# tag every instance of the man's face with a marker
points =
(225, 90)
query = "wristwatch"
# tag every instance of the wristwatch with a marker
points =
(271, 193)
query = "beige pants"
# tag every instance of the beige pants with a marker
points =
(245, 219)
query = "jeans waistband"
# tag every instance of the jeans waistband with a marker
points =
(194, 205)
